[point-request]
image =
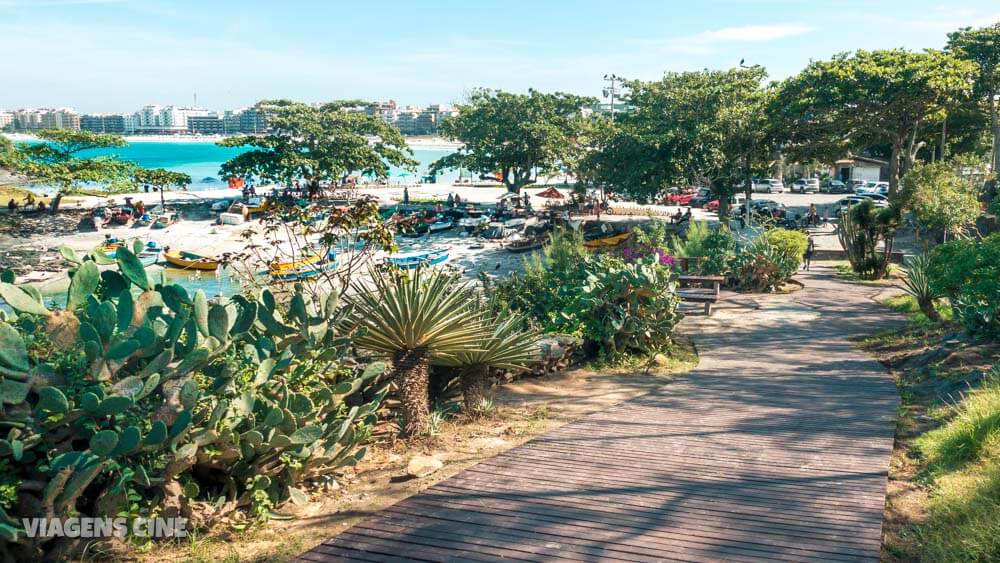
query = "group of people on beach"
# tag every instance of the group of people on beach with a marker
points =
(29, 205)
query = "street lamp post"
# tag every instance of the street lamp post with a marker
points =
(610, 92)
(749, 177)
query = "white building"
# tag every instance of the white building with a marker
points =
(164, 119)
(6, 118)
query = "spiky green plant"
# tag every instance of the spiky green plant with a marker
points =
(917, 284)
(506, 346)
(415, 319)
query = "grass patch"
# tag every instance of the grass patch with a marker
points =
(961, 463)
(844, 272)
(907, 304)
(681, 355)
(9, 191)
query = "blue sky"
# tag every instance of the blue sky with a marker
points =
(115, 55)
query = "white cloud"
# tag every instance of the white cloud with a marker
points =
(702, 43)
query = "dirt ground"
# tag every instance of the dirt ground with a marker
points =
(524, 409)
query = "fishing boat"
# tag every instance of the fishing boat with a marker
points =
(603, 235)
(496, 231)
(411, 260)
(164, 220)
(473, 220)
(442, 224)
(527, 244)
(148, 257)
(308, 267)
(190, 261)
(416, 229)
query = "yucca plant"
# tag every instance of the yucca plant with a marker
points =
(917, 284)
(415, 319)
(506, 346)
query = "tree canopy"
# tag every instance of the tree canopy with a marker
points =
(870, 97)
(941, 199)
(706, 127)
(514, 135)
(161, 178)
(322, 143)
(982, 46)
(56, 160)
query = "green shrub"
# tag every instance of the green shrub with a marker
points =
(625, 308)
(789, 243)
(714, 247)
(866, 234)
(155, 402)
(617, 307)
(968, 273)
(768, 261)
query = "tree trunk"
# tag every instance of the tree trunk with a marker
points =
(410, 372)
(55, 203)
(927, 307)
(897, 148)
(475, 381)
(995, 127)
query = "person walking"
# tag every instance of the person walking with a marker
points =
(807, 256)
(406, 195)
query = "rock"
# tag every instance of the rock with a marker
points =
(423, 465)
(489, 443)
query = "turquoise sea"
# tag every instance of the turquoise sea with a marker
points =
(201, 160)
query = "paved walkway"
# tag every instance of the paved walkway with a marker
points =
(775, 448)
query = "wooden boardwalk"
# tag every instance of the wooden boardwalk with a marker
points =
(775, 448)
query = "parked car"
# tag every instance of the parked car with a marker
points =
(875, 196)
(806, 186)
(855, 185)
(853, 200)
(765, 208)
(882, 188)
(735, 203)
(701, 198)
(769, 186)
(834, 187)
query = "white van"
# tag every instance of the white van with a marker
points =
(769, 186)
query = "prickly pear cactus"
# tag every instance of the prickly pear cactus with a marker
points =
(139, 394)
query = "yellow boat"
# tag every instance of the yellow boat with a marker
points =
(278, 268)
(190, 261)
(613, 240)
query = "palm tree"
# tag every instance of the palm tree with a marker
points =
(415, 319)
(506, 346)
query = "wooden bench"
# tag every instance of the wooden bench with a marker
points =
(701, 289)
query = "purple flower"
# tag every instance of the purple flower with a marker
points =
(664, 258)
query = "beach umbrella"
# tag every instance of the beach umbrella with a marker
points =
(508, 195)
(550, 193)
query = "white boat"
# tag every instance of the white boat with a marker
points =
(441, 225)
(473, 220)
(411, 260)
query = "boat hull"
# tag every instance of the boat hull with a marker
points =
(189, 261)
(415, 260)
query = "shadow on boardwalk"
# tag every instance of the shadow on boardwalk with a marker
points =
(775, 448)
